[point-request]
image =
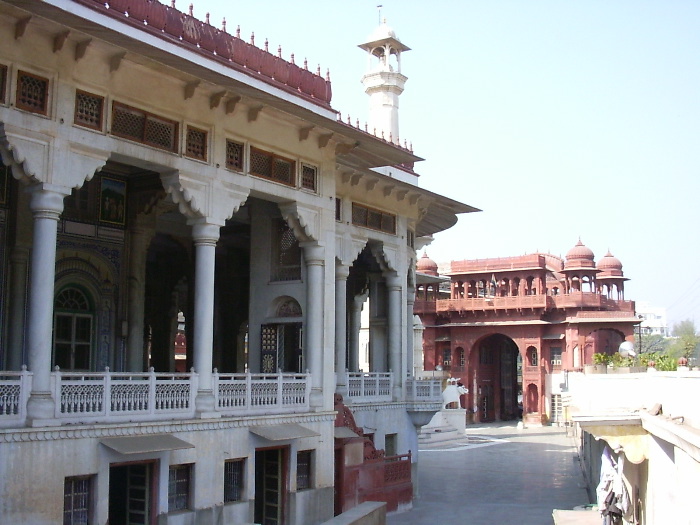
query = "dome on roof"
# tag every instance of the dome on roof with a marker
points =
(580, 256)
(426, 265)
(382, 32)
(610, 266)
(609, 262)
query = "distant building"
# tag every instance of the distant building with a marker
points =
(512, 328)
(654, 320)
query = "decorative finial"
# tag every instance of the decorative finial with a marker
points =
(379, 14)
(172, 4)
(366, 128)
(349, 119)
(357, 123)
(279, 51)
(223, 25)
(318, 70)
(306, 64)
(252, 38)
(292, 59)
(391, 138)
(206, 19)
(238, 31)
(191, 9)
(266, 46)
(328, 75)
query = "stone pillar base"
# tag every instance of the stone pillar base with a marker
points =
(40, 410)
(204, 405)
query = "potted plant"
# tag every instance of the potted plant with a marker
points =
(600, 364)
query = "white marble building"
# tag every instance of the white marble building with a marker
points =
(155, 168)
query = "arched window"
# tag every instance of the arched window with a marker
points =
(72, 330)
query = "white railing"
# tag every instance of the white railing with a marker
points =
(365, 387)
(113, 397)
(425, 390)
(119, 396)
(14, 393)
(261, 393)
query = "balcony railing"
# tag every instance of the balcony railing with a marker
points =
(426, 390)
(113, 397)
(367, 387)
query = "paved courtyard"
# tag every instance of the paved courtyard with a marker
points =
(497, 474)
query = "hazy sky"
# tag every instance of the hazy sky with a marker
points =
(558, 119)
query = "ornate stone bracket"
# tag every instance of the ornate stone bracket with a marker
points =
(305, 222)
(199, 197)
(385, 256)
(348, 247)
(37, 157)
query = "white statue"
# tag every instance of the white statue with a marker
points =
(452, 392)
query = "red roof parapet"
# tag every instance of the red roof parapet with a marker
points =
(169, 23)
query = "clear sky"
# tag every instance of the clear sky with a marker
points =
(559, 119)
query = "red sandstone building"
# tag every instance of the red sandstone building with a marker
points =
(511, 328)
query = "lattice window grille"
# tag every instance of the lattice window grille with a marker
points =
(234, 480)
(140, 126)
(308, 177)
(304, 464)
(338, 209)
(196, 143)
(76, 500)
(234, 155)
(179, 487)
(374, 219)
(88, 110)
(3, 84)
(287, 263)
(32, 92)
(270, 166)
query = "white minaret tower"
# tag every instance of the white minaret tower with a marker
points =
(383, 81)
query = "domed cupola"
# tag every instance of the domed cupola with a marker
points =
(579, 257)
(426, 265)
(610, 266)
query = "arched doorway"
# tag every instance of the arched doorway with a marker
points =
(495, 381)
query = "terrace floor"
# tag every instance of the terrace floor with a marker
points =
(497, 473)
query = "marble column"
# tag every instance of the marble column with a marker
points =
(354, 328)
(205, 236)
(46, 204)
(19, 265)
(140, 238)
(314, 256)
(410, 335)
(393, 285)
(341, 286)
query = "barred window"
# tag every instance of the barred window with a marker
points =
(374, 219)
(270, 166)
(179, 487)
(3, 83)
(77, 496)
(234, 155)
(308, 177)
(286, 262)
(304, 469)
(338, 209)
(88, 110)
(196, 144)
(410, 239)
(234, 477)
(32, 93)
(141, 126)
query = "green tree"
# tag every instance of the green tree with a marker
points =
(687, 340)
(654, 343)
